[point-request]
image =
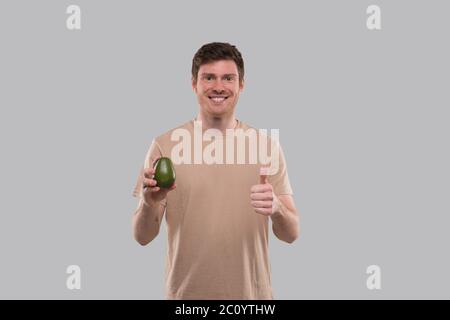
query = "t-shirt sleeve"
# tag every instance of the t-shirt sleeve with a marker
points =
(280, 180)
(153, 153)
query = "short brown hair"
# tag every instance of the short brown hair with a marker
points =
(216, 51)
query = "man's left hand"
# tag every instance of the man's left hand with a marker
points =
(263, 200)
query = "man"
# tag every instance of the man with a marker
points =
(217, 214)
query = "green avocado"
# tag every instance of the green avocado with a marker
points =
(164, 173)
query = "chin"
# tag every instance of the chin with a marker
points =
(217, 114)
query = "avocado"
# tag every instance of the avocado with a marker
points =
(164, 173)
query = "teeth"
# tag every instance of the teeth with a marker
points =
(216, 99)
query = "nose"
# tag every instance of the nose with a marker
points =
(218, 91)
(218, 87)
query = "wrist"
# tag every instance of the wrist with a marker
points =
(149, 203)
(276, 207)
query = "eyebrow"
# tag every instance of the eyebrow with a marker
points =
(225, 75)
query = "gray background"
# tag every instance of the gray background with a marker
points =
(362, 117)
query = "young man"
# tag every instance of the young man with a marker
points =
(217, 214)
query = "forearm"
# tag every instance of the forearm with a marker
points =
(285, 222)
(147, 221)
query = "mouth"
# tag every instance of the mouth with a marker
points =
(218, 99)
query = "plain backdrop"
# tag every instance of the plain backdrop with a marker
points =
(363, 119)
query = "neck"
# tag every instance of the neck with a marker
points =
(222, 123)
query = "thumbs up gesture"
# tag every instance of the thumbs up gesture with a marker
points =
(263, 199)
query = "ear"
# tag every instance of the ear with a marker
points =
(241, 85)
(194, 84)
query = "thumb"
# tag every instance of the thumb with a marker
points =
(263, 175)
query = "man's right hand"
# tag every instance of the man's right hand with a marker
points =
(152, 193)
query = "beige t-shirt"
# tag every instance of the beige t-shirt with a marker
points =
(217, 243)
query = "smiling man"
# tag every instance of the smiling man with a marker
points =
(217, 214)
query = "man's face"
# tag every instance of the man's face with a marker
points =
(218, 87)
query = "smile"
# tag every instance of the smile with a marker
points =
(217, 99)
